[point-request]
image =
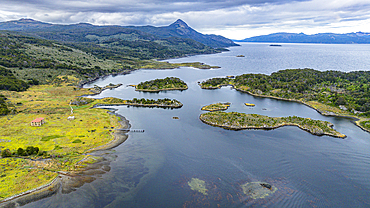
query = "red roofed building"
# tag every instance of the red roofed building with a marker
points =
(38, 122)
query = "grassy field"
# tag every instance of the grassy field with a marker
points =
(64, 140)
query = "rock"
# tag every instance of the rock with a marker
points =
(266, 185)
(342, 107)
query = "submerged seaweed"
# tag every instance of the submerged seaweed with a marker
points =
(258, 190)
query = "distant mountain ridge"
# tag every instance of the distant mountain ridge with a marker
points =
(326, 38)
(182, 30)
(84, 32)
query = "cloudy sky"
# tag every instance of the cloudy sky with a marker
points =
(236, 19)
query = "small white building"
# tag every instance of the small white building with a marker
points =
(70, 118)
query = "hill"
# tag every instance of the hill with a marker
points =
(84, 32)
(327, 38)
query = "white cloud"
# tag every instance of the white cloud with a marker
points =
(234, 19)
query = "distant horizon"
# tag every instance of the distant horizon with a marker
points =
(232, 19)
(14, 20)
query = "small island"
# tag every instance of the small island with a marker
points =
(216, 107)
(168, 83)
(275, 45)
(238, 121)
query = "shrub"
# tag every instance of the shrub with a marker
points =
(6, 153)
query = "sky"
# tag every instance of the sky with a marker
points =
(234, 19)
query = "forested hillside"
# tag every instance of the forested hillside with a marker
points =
(349, 91)
(117, 42)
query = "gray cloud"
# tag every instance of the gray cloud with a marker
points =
(153, 6)
(216, 16)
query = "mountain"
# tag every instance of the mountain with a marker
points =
(117, 42)
(182, 30)
(327, 38)
(84, 32)
(23, 24)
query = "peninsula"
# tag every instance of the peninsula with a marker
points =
(331, 93)
(34, 156)
(168, 83)
(238, 121)
(109, 101)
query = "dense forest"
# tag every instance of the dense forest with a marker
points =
(16, 51)
(349, 91)
(168, 83)
(3, 107)
(89, 59)
(9, 82)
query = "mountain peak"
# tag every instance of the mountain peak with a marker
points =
(26, 20)
(179, 23)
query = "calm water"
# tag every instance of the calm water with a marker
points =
(152, 169)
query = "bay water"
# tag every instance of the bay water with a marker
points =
(154, 168)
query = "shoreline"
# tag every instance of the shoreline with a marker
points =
(52, 187)
(33, 194)
(167, 89)
(119, 135)
(44, 190)
(93, 79)
(355, 120)
(139, 105)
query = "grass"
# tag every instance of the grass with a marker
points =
(66, 140)
(18, 175)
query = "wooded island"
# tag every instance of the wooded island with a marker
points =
(168, 83)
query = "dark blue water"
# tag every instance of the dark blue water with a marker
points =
(152, 169)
